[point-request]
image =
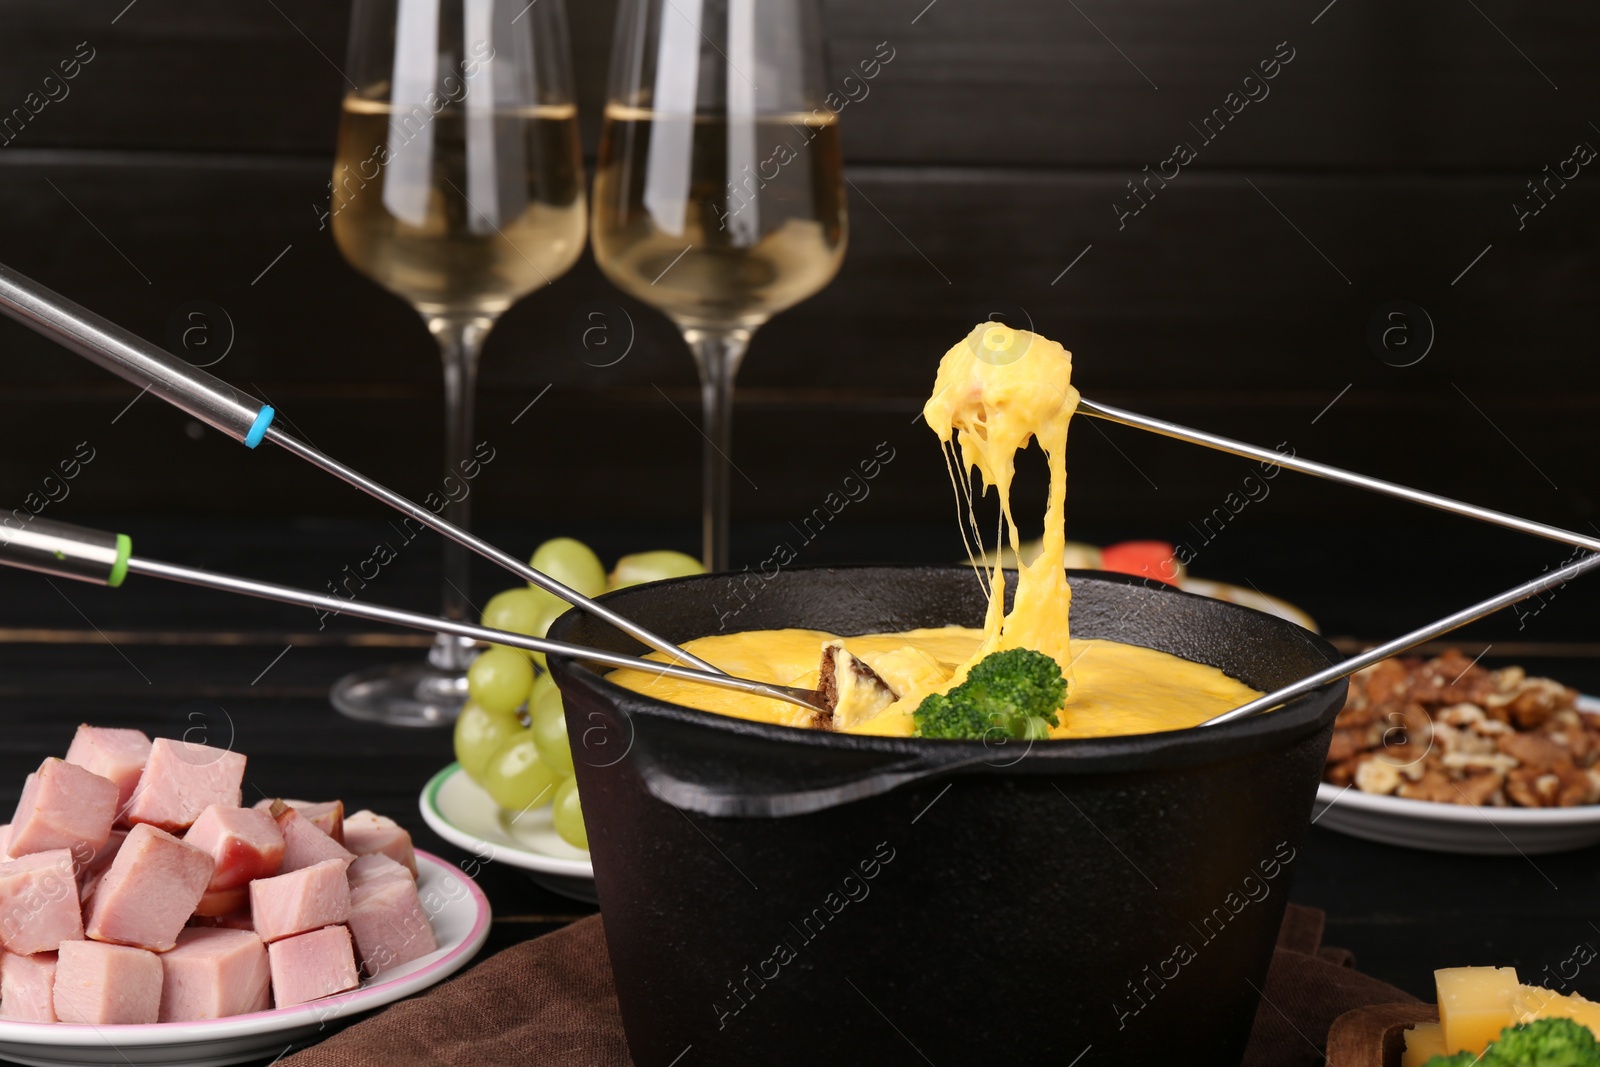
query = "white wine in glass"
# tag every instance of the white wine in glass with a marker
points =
(719, 197)
(458, 187)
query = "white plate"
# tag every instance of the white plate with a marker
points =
(1236, 594)
(1482, 831)
(460, 916)
(463, 814)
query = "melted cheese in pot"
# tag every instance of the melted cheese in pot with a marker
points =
(997, 391)
(1118, 689)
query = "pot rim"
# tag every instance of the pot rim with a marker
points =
(1303, 714)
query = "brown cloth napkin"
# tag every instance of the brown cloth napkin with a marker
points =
(550, 1002)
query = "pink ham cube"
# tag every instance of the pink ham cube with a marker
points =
(327, 815)
(27, 987)
(233, 920)
(367, 832)
(97, 863)
(214, 973)
(38, 902)
(218, 902)
(304, 844)
(149, 892)
(388, 924)
(107, 985)
(5, 841)
(181, 780)
(375, 868)
(244, 844)
(307, 899)
(62, 806)
(117, 755)
(310, 966)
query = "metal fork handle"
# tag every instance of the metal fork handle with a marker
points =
(1335, 474)
(1408, 641)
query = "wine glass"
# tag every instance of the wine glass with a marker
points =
(719, 194)
(458, 187)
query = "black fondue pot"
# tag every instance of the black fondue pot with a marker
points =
(782, 896)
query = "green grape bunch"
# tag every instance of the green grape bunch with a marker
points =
(511, 737)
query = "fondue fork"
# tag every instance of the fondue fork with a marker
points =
(249, 421)
(1334, 474)
(66, 551)
(1408, 641)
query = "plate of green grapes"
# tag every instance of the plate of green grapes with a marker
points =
(511, 797)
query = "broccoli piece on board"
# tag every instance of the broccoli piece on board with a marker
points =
(1541, 1043)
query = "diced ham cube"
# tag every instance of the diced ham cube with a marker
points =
(217, 902)
(112, 753)
(375, 868)
(150, 890)
(91, 868)
(314, 965)
(62, 806)
(233, 920)
(5, 841)
(214, 973)
(302, 900)
(181, 780)
(327, 815)
(39, 902)
(367, 832)
(27, 987)
(388, 924)
(106, 985)
(304, 844)
(245, 844)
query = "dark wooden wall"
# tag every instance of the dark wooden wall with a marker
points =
(986, 160)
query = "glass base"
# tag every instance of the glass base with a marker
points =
(402, 694)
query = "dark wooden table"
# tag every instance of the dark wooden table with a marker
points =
(171, 659)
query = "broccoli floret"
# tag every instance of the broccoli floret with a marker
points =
(1018, 692)
(1541, 1043)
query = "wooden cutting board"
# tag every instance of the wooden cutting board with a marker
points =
(1374, 1036)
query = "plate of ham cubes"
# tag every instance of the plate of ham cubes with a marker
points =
(147, 916)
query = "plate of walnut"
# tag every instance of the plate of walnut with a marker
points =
(1443, 754)
(148, 917)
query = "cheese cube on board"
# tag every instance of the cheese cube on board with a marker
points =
(107, 985)
(1534, 1002)
(388, 924)
(310, 966)
(27, 987)
(114, 754)
(244, 844)
(181, 780)
(214, 973)
(62, 806)
(299, 901)
(304, 844)
(39, 902)
(149, 892)
(1424, 1041)
(1474, 1005)
(367, 832)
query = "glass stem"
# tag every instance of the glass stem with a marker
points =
(717, 354)
(460, 343)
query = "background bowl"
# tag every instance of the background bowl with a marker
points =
(785, 896)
